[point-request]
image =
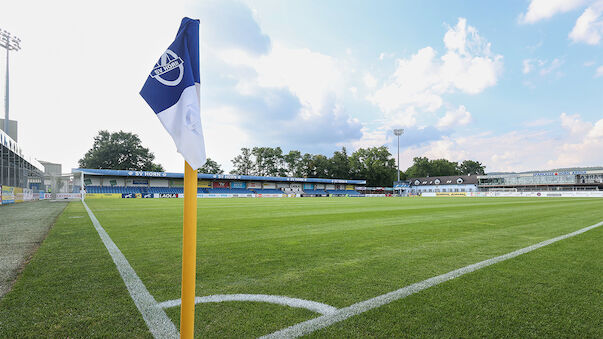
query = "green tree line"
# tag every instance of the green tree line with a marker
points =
(124, 150)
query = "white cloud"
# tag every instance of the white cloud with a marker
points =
(585, 144)
(538, 122)
(544, 67)
(369, 80)
(545, 9)
(420, 81)
(311, 76)
(552, 66)
(458, 117)
(574, 124)
(599, 72)
(527, 66)
(589, 26)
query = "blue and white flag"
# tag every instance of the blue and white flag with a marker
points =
(172, 91)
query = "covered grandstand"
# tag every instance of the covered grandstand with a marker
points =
(561, 180)
(131, 184)
(20, 175)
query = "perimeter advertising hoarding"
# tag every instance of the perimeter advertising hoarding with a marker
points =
(18, 194)
(165, 195)
(451, 194)
(8, 195)
(103, 195)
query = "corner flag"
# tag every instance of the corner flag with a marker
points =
(172, 91)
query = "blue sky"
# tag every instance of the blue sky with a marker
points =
(516, 85)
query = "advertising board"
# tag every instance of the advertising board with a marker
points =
(28, 194)
(99, 196)
(254, 185)
(69, 195)
(8, 195)
(269, 195)
(269, 185)
(451, 194)
(204, 184)
(165, 195)
(349, 187)
(221, 184)
(282, 185)
(237, 184)
(308, 186)
(330, 187)
(18, 194)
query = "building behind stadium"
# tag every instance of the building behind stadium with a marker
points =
(587, 182)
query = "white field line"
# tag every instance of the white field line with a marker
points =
(273, 299)
(157, 321)
(341, 314)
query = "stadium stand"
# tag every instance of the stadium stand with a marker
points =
(139, 182)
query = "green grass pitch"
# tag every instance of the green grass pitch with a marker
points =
(336, 251)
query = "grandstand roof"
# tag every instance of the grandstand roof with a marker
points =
(123, 173)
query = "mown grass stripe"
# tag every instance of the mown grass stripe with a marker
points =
(312, 325)
(154, 316)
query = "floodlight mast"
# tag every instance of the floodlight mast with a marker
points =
(398, 132)
(10, 43)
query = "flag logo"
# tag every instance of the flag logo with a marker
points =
(167, 65)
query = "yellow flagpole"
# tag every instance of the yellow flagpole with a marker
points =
(189, 253)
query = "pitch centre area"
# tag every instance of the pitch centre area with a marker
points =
(334, 251)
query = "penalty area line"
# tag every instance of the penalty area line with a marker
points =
(341, 314)
(154, 316)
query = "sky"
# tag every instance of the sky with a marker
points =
(516, 85)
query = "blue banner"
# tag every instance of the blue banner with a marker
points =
(237, 184)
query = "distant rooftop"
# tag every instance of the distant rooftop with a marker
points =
(569, 169)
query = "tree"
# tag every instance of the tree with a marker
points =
(121, 151)
(471, 167)
(375, 164)
(243, 163)
(420, 168)
(340, 165)
(210, 167)
(292, 161)
(443, 167)
(307, 168)
(321, 166)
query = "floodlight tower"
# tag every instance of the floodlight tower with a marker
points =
(398, 132)
(10, 43)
